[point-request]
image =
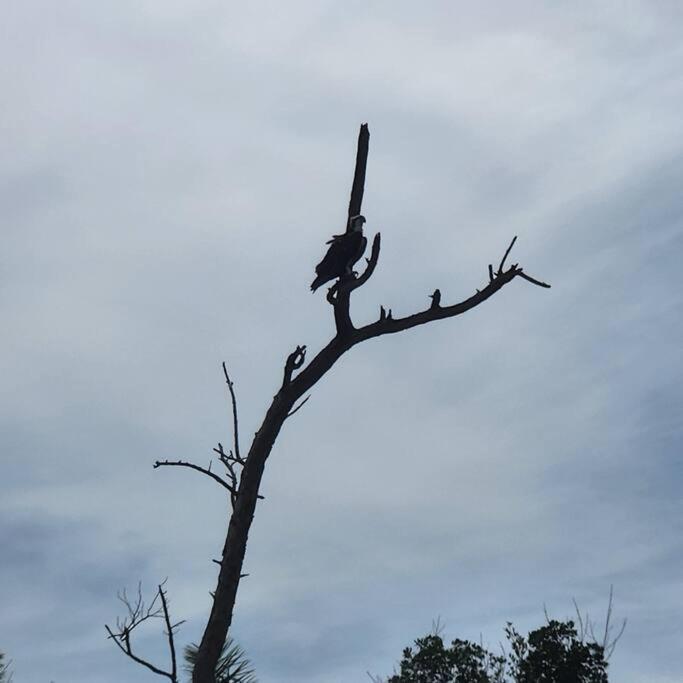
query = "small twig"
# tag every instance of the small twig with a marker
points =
(582, 628)
(192, 466)
(522, 274)
(436, 298)
(128, 652)
(587, 627)
(613, 644)
(606, 644)
(608, 616)
(507, 251)
(229, 461)
(233, 400)
(299, 407)
(490, 273)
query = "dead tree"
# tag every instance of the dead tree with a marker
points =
(242, 476)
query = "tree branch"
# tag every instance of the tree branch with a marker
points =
(532, 280)
(137, 614)
(169, 633)
(339, 295)
(230, 462)
(197, 468)
(233, 401)
(388, 325)
(507, 251)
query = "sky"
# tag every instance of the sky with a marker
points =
(169, 174)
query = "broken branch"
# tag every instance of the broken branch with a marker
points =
(358, 185)
(294, 361)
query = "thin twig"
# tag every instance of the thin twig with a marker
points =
(613, 644)
(299, 407)
(606, 644)
(233, 400)
(582, 631)
(169, 632)
(192, 466)
(507, 251)
(229, 461)
(135, 658)
(522, 274)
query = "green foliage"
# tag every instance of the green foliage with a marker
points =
(553, 653)
(232, 666)
(463, 662)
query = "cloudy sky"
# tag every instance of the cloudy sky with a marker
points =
(169, 172)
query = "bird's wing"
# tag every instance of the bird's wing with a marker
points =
(335, 255)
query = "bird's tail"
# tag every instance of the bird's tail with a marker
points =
(316, 283)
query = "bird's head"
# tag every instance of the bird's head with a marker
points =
(356, 223)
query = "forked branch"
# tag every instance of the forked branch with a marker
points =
(294, 361)
(339, 297)
(608, 641)
(138, 613)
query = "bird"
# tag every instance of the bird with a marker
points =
(343, 253)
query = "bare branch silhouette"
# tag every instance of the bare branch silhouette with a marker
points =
(235, 425)
(138, 613)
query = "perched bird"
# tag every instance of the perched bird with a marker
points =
(344, 251)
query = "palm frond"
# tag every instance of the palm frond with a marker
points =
(232, 666)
